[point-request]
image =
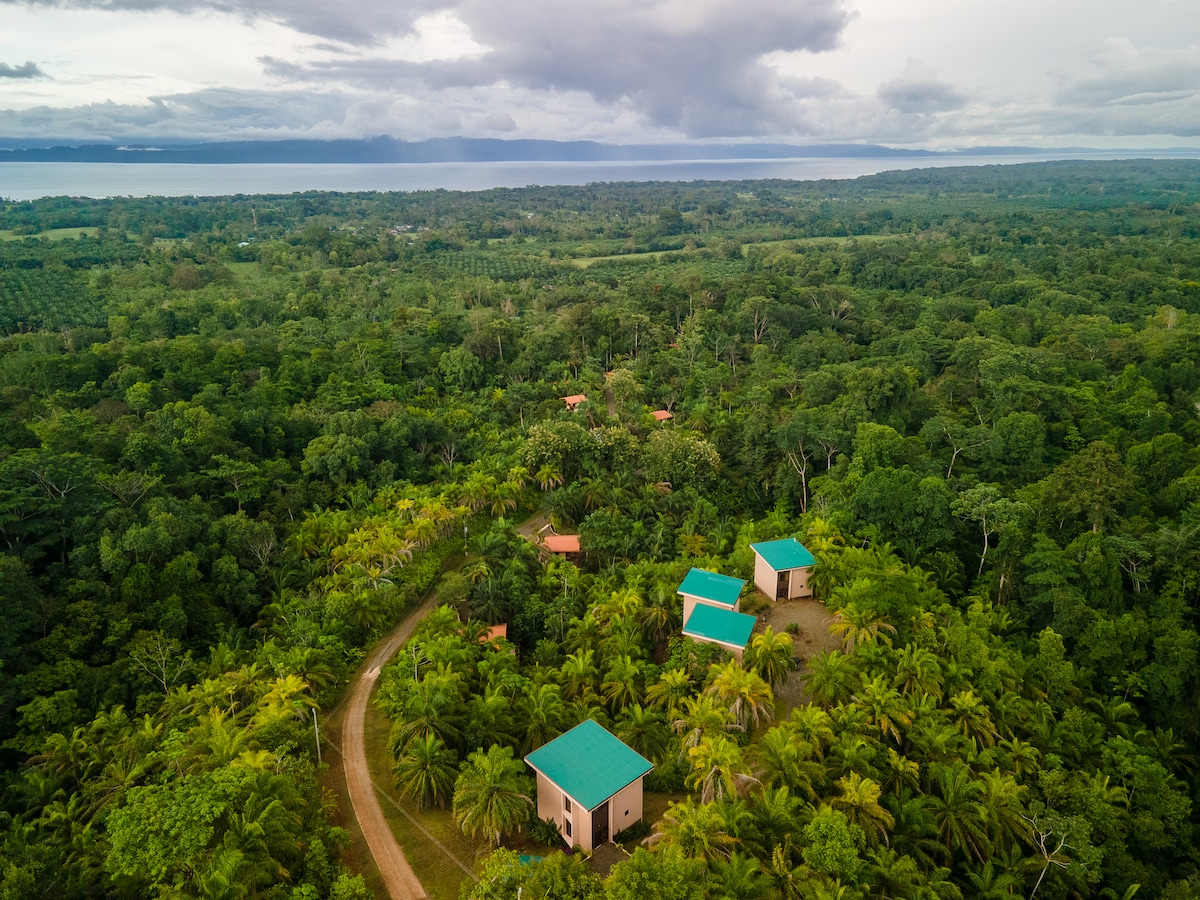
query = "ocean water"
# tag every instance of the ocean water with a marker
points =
(29, 181)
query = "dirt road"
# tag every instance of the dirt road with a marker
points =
(398, 876)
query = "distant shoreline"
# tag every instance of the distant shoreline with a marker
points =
(22, 181)
(475, 150)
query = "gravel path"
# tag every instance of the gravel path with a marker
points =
(398, 876)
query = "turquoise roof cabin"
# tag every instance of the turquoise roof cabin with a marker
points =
(724, 627)
(700, 586)
(589, 783)
(782, 569)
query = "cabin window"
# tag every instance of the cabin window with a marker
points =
(567, 822)
(566, 803)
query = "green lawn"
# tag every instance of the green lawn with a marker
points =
(54, 234)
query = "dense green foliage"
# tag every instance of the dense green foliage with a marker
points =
(243, 434)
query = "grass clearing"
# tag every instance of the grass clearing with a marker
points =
(54, 234)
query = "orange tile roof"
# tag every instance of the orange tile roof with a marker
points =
(561, 543)
(574, 399)
(662, 415)
(496, 631)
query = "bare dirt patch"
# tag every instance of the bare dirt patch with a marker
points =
(812, 621)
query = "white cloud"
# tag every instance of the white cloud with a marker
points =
(924, 72)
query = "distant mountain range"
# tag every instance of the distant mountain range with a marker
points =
(443, 150)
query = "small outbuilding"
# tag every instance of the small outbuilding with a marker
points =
(662, 415)
(782, 568)
(723, 627)
(700, 586)
(564, 545)
(573, 400)
(589, 783)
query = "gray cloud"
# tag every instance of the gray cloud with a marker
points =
(500, 122)
(29, 70)
(696, 68)
(216, 114)
(918, 90)
(360, 22)
(1119, 73)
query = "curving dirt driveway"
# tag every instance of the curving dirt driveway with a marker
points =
(398, 876)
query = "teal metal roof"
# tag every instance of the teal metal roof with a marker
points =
(722, 625)
(589, 763)
(788, 553)
(712, 586)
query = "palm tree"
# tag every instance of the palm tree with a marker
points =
(973, 719)
(770, 655)
(859, 801)
(992, 883)
(702, 716)
(741, 876)
(672, 687)
(718, 769)
(784, 760)
(644, 731)
(544, 714)
(548, 476)
(622, 682)
(1003, 804)
(490, 795)
(578, 673)
(859, 626)
(830, 677)
(957, 813)
(814, 725)
(698, 829)
(918, 671)
(661, 616)
(433, 707)
(749, 698)
(885, 707)
(425, 773)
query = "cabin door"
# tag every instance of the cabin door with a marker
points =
(781, 586)
(600, 825)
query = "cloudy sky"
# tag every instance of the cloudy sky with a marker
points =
(929, 73)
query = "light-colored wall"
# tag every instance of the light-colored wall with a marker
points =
(583, 830)
(625, 807)
(764, 576)
(550, 806)
(765, 579)
(799, 584)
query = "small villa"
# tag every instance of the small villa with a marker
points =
(662, 415)
(573, 401)
(782, 568)
(724, 627)
(709, 589)
(589, 783)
